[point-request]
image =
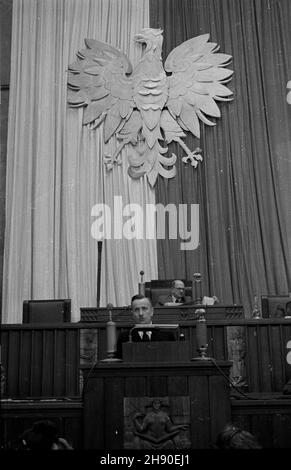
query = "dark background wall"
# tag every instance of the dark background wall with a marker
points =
(5, 46)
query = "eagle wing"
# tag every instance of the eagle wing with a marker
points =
(100, 81)
(196, 82)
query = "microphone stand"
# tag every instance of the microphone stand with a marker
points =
(141, 284)
(111, 338)
(196, 289)
(99, 272)
(201, 335)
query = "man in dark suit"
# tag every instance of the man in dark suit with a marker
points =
(176, 296)
(142, 311)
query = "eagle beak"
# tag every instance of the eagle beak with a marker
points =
(139, 38)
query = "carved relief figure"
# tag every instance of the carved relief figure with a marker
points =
(155, 429)
(237, 352)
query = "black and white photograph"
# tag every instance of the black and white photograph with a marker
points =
(145, 230)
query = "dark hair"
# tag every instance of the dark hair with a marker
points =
(232, 437)
(42, 435)
(140, 297)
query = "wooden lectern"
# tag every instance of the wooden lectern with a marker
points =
(156, 398)
(154, 351)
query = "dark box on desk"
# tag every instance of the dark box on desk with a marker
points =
(156, 351)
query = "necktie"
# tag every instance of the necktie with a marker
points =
(145, 336)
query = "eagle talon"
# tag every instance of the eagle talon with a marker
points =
(193, 157)
(110, 161)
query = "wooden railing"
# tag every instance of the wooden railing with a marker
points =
(258, 349)
(43, 360)
(40, 361)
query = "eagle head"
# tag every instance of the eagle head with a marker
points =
(149, 37)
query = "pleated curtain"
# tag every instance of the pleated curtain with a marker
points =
(55, 170)
(56, 175)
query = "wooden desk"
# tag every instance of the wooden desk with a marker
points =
(174, 314)
(195, 393)
(43, 361)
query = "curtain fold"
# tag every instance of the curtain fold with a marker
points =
(55, 170)
(242, 186)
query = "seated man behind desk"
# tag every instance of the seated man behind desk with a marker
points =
(176, 296)
(142, 311)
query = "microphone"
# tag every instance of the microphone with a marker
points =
(111, 337)
(141, 285)
(196, 288)
(111, 333)
(201, 335)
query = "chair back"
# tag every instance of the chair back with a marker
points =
(46, 311)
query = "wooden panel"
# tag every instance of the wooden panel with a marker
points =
(189, 382)
(135, 387)
(94, 413)
(217, 343)
(252, 360)
(44, 360)
(164, 314)
(59, 369)
(47, 363)
(177, 386)
(264, 357)
(18, 416)
(41, 361)
(102, 342)
(71, 361)
(156, 351)
(281, 430)
(37, 362)
(219, 404)
(262, 426)
(157, 387)
(267, 416)
(13, 360)
(25, 370)
(200, 412)
(193, 341)
(277, 353)
(114, 421)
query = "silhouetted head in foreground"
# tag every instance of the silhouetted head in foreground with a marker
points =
(232, 437)
(43, 435)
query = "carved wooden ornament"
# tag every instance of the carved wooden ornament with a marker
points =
(150, 103)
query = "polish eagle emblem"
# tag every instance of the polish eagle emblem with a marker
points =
(151, 104)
